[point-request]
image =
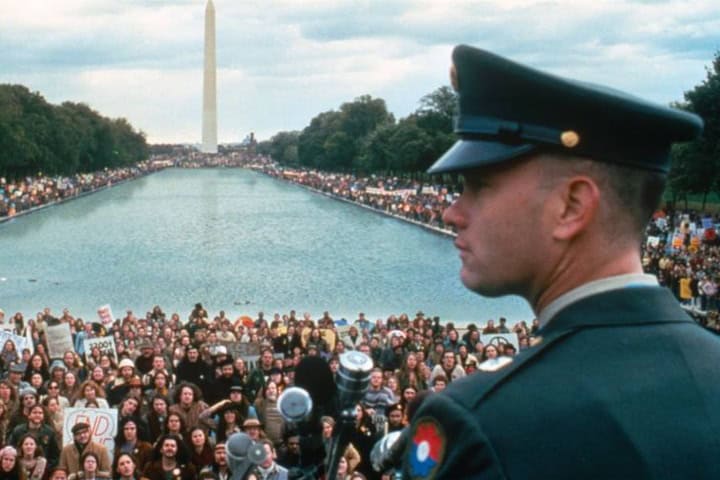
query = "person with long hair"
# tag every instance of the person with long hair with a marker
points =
(174, 424)
(171, 460)
(189, 405)
(91, 392)
(127, 441)
(89, 464)
(36, 365)
(158, 414)
(126, 467)
(70, 387)
(4, 421)
(201, 451)
(230, 422)
(100, 376)
(410, 373)
(159, 385)
(72, 363)
(268, 413)
(8, 394)
(351, 453)
(9, 354)
(9, 465)
(56, 416)
(31, 460)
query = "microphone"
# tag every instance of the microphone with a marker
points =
(242, 454)
(353, 378)
(387, 452)
(295, 404)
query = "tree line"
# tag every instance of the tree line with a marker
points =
(363, 137)
(36, 136)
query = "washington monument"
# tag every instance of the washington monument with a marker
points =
(209, 120)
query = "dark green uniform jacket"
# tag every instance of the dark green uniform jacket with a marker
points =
(623, 384)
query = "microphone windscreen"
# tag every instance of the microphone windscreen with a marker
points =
(237, 445)
(314, 375)
(257, 454)
(295, 404)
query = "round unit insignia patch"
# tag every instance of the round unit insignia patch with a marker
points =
(427, 448)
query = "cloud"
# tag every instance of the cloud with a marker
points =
(282, 61)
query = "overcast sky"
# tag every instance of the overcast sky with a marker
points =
(281, 62)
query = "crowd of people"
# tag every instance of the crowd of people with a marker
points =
(406, 198)
(181, 389)
(32, 192)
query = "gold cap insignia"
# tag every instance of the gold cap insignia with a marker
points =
(569, 138)
(454, 78)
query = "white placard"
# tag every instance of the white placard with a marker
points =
(498, 338)
(59, 340)
(105, 314)
(105, 344)
(19, 342)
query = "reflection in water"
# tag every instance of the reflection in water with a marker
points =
(234, 240)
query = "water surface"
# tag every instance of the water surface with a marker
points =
(234, 240)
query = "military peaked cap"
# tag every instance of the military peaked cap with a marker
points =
(507, 110)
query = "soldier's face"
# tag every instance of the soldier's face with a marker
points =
(500, 223)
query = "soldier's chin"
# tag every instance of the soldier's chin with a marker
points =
(481, 286)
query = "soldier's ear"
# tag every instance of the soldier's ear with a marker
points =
(575, 205)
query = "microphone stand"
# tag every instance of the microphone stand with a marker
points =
(340, 440)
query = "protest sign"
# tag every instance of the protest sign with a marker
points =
(248, 351)
(105, 344)
(59, 340)
(105, 315)
(19, 342)
(103, 425)
(501, 338)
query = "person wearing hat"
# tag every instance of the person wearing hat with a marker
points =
(15, 374)
(253, 429)
(218, 469)
(82, 444)
(120, 387)
(560, 180)
(144, 362)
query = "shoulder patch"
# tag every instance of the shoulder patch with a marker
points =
(426, 449)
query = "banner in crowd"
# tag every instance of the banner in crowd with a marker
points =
(105, 344)
(59, 340)
(105, 314)
(501, 338)
(248, 351)
(20, 343)
(103, 425)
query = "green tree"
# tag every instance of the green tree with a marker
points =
(695, 165)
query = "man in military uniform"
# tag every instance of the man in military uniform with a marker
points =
(561, 178)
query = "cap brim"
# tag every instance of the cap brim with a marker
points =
(469, 154)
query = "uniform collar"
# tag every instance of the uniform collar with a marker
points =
(642, 305)
(593, 288)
